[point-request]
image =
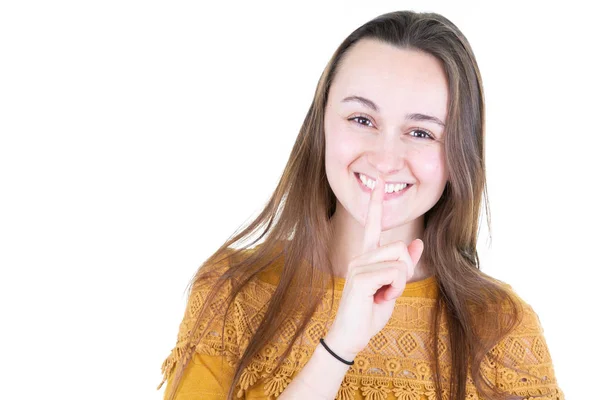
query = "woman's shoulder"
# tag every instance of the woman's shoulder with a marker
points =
(519, 362)
(523, 361)
(223, 267)
(527, 319)
(208, 310)
(233, 273)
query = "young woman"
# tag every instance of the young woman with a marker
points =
(360, 279)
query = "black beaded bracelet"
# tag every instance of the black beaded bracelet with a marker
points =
(335, 355)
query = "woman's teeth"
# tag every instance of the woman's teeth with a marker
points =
(389, 188)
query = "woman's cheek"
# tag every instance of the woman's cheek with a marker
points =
(428, 164)
(343, 145)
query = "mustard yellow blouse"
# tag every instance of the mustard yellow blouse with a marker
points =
(395, 364)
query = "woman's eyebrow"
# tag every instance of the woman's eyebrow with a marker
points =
(411, 117)
(424, 117)
(366, 102)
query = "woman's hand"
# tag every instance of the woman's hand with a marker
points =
(374, 280)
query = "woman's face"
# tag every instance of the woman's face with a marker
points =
(385, 115)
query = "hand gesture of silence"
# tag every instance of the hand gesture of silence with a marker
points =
(373, 282)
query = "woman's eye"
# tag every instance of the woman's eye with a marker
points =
(366, 122)
(421, 134)
(362, 121)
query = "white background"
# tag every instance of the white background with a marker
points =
(136, 136)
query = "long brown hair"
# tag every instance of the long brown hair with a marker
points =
(477, 309)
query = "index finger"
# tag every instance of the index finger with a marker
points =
(373, 219)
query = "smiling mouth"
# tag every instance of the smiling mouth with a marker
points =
(390, 188)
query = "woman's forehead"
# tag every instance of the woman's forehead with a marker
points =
(392, 77)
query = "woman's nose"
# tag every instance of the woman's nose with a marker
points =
(387, 156)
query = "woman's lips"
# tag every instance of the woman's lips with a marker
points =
(386, 196)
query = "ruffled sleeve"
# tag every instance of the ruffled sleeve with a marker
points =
(209, 373)
(525, 368)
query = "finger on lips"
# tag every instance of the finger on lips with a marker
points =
(397, 254)
(373, 218)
